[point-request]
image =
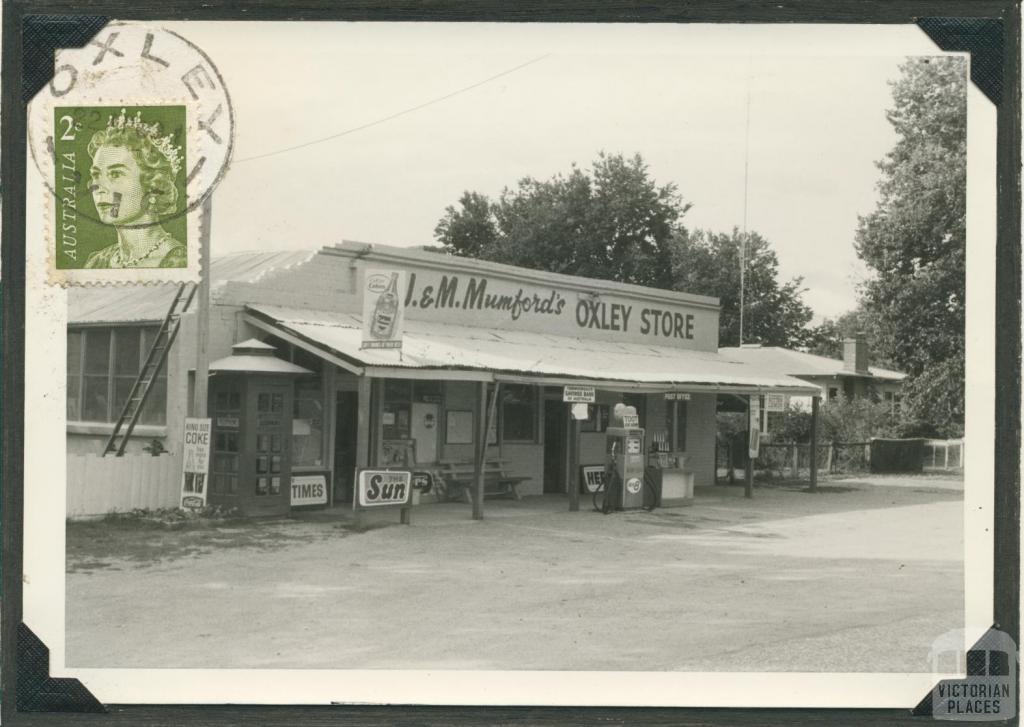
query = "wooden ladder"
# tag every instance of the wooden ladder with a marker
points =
(136, 400)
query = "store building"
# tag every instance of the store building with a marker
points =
(470, 327)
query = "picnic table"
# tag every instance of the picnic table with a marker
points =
(459, 478)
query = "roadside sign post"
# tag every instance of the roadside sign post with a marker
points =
(384, 488)
(579, 398)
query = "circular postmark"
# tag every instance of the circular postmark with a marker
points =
(132, 133)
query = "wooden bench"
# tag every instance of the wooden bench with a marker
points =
(459, 478)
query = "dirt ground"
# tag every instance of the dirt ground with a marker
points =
(861, 576)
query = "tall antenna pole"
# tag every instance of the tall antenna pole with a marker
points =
(200, 402)
(746, 179)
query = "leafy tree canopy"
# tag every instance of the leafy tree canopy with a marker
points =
(826, 339)
(915, 240)
(613, 222)
(708, 263)
(841, 420)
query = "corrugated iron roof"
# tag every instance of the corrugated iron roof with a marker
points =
(431, 345)
(149, 303)
(256, 364)
(786, 361)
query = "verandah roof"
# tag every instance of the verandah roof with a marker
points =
(456, 351)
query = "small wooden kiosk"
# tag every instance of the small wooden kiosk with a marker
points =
(251, 401)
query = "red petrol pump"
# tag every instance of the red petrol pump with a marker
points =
(624, 461)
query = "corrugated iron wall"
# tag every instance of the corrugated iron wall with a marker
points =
(100, 485)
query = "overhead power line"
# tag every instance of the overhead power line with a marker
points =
(395, 115)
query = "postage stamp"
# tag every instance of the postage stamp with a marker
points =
(130, 137)
(120, 179)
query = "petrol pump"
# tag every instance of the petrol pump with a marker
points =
(625, 455)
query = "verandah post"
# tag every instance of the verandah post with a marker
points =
(481, 453)
(814, 443)
(486, 416)
(748, 472)
(574, 462)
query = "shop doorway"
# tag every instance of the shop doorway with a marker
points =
(554, 447)
(346, 424)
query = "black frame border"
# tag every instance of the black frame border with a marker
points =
(1007, 346)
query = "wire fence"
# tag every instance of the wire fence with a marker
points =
(944, 454)
(793, 460)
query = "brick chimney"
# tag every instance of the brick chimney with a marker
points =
(855, 354)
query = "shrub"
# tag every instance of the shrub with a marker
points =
(839, 420)
(172, 517)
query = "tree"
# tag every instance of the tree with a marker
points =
(840, 420)
(470, 231)
(826, 339)
(707, 263)
(915, 239)
(614, 223)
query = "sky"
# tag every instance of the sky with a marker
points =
(415, 114)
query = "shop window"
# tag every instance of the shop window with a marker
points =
(307, 407)
(103, 364)
(308, 423)
(518, 413)
(833, 393)
(427, 391)
(227, 407)
(597, 418)
(399, 394)
(397, 404)
(675, 425)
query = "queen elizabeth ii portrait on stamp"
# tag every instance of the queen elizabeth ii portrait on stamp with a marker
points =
(121, 191)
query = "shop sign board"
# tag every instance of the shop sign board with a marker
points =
(676, 396)
(630, 421)
(383, 488)
(592, 477)
(309, 490)
(579, 394)
(195, 462)
(383, 308)
(775, 402)
(512, 302)
(422, 481)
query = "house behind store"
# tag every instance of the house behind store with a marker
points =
(850, 376)
(469, 325)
